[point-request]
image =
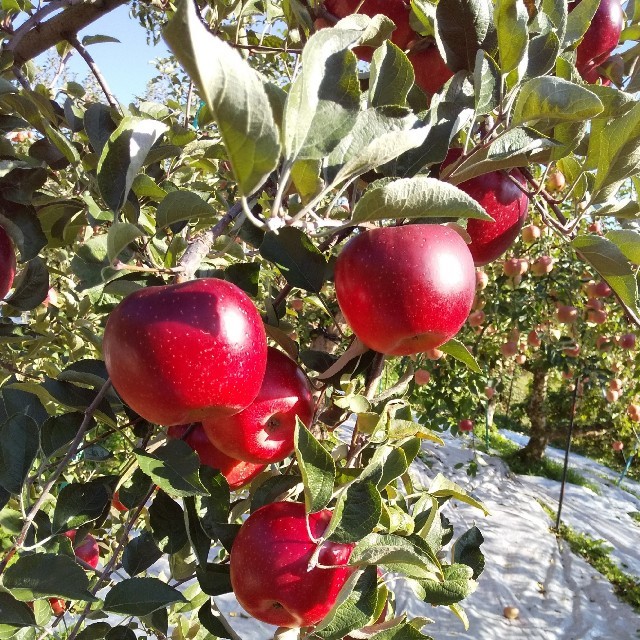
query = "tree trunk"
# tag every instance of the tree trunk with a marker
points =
(538, 434)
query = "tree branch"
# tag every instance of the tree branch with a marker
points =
(35, 37)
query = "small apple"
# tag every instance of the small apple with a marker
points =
(431, 72)
(263, 432)
(58, 606)
(602, 290)
(88, 550)
(542, 266)
(511, 613)
(633, 411)
(7, 263)
(566, 314)
(627, 341)
(531, 233)
(611, 395)
(555, 181)
(568, 374)
(596, 316)
(618, 445)
(509, 349)
(179, 353)
(434, 354)
(489, 392)
(269, 565)
(603, 343)
(615, 384)
(533, 339)
(422, 376)
(421, 292)
(520, 359)
(237, 472)
(465, 425)
(595, 304)
(572, 351)
(595, 228)
(477, 318)
(482, 280)
(297, 304)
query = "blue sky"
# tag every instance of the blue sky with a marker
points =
(126, 65)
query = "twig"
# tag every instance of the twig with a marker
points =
(9, 367)
(22, 79)
(187, 111)
(86, 56)
(550, 201)
(73, 447)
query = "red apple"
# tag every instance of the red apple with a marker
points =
(270, 572)
(422, 376)
(603, 343)
(237, 472)
(601, 38)
(297, 304)
(477, 318)
(509, 349)
(555, 181)
(542, 266)
(503, 201)
(430, 70)
(615, 384)
(465, 425)
(633, 411)
(263, 432)
(617, 445)
(183, 352)
(7, 263)
(566, 314)
(602, 290)
(515, 267)
(611, 395)
(531, 233)
(595, 304)
(87, 550)
(520, 359)
(627, 341)
(482, 280)
(489, 392)
(533, 339)
(58, 606)
(434, 354)
(595, 227)
(418, 295)
(596, 316)
(396, 10)
(572, 351)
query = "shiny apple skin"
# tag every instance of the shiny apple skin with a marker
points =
(88, 550)
(238, 473)
(406, 289)
(7, 263)
(263, 432)
(269, 561)
(600, 39)
(396, 10)
(179, 353)
(430, 69)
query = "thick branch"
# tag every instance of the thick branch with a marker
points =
(44, 35)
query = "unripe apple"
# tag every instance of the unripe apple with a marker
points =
(533, 339)
(555, 181)
(179, 353)
(434, 354)
(611, 395)
(263, 432)
(7, 263)
(520, 359)
(269, 565)
(503, 201)
(602, 290)
(482, 280)
(531, 233)
(489, 392)
(237, 472)
(422, 376)
(566, 314)
(88, 550)
(627, 341)
(421, 291)
(542, 266)
(596, 316)
(618, 445)
(431, 72)
(465, 425)
(615, 384)
(477, 318)
(509, 349)
(511, 613)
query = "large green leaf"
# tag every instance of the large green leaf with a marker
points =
(511, 22)
(79, 503)
(19, 440)
(141, 596)
(391, 76)
(234, 93)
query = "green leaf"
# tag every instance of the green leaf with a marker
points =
(578, 21)
(317, 467)
(123, 156)
(554, 99)
(391, 76)
(98, 39)
(404, 631)
(146, 187)
(15, 613)
(628, 242)
(543, 53)
(214, 579)
(234, 93)
(135, 489)
(457, 350)
(487, 83)
(141, 596)
(296, 256)
(44, 575)
(140, 553)
(511, 19)
(210, 620)
(456, 586)
(200, 542)
(120, 235)
(19, 442)
(419, 197)
(609, 261)
(272, 488)
(24, 227)
(466, 550)
(357, 512)
(59, 431)
(95, 631)
(442, 488)
(62, 144)
(79, 503)
(31, 286)
(180, 206)
(99, 125)
(167, 524)
(174, 468)
(305, 175)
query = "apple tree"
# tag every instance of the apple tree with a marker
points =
(208, 347)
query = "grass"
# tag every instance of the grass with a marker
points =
(545, 468)
(598, 554)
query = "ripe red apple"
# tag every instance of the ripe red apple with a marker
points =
(603, 343)
(7, 263)
(568, 374)
(430, 70)
(555, 181)
(263, 432)
(418, 295)
(477, 318)
(595, 228)
(596, 316)
(58, 606)
(627, 341)
(489, 392)
(422, 376)
(566, 314)
(482, 280)
(615, 384)
(533, 339)
(509, 349)
(269, 566)
(396, 10)
(515, 267)
(633, 411)
(602, 289)
(531, 233)
(595, 304)
(179, 353)
(237, 472)
(503, 201)
(611, 395)
(542, 266)
(601, 38)
(465, 425)
(617, 445)
(87, 550)
(572, 351)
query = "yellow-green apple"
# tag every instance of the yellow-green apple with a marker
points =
(270, 572)
(422, 376)
(7, 263)
(237, 472)
(263, 432)
(419, 294)
(179, 353)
